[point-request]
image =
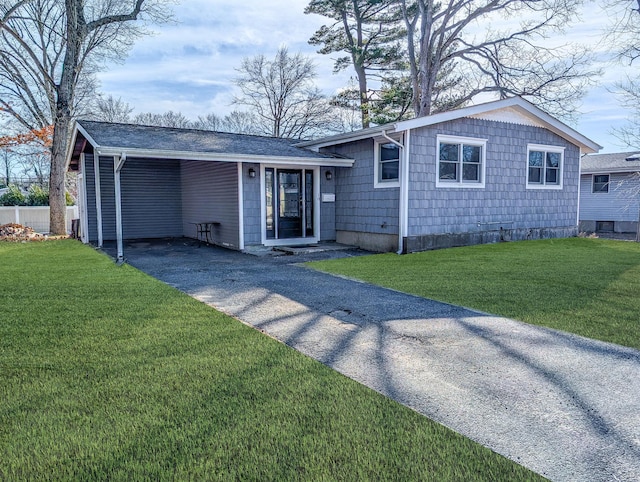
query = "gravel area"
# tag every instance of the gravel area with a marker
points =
(564, 406)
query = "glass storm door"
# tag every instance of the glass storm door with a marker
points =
(289, 203)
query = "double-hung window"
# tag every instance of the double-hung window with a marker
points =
(461, 161)
(600, 183)
(544, 168)
(387, 164)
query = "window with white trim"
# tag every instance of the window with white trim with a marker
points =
(461, 161)
(601, 183)
(544, 167)
(387, 164)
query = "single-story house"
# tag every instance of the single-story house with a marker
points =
(610, 192)
(496, 171)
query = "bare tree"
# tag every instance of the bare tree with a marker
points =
(281, 95)
(629, 95)
(209, 122)
(505, 62)
(49, 49)
(623, 31)
(110, 109)
(623, 37)
(166, 119)
(241, 122)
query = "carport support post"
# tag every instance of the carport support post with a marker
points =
(118, 163)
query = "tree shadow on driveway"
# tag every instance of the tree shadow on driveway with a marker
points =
(562, 405)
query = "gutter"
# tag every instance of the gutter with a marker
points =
(224, 157)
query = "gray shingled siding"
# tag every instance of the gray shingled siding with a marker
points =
(251, 204)
(504, 201)
(327, 209)
(151, 199)
(616, 205)
(107, 194)
(360, 207)
(210, 193)
(89, 179)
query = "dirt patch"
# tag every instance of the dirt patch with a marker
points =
(17, 232)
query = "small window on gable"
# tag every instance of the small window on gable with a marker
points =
(544, 167)
(461, 162)
(601, 183)
(387, 165)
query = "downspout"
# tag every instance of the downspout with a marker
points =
(580, 156)
(118, 164)
(403, 178)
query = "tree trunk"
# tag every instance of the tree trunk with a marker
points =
(76, 32)
(57, 200)
(364, 96)
(7, 167)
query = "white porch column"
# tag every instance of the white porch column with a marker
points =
(118, 163)
(96, 178)
(240, 208)
(403, 222)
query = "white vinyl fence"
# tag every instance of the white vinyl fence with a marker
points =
(35, 217)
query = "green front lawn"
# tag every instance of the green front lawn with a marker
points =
(586, 286)
(108, 374)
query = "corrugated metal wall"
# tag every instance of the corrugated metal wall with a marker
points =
(210, 193)
(616, 205)
(151, 199)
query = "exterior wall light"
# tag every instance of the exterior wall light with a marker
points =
(252, 172)
(328, 175)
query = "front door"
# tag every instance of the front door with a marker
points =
(289, 203)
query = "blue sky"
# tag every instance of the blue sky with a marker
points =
(189, 65)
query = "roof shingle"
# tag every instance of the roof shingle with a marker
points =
(616, 162)
(106, 134)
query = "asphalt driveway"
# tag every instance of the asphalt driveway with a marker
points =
(564, 406)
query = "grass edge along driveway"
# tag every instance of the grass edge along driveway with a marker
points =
(590, 287)
(108, 374)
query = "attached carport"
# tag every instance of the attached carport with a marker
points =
(153, 182)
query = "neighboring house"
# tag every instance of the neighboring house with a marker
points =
(504, 170)
(610, 192)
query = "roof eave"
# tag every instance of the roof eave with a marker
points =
(221, 157)
(77, 128)
(616, 170)
(346, 137)
(526, 108)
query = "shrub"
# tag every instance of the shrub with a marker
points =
(13, 197)
(37, 196)
(69, 199)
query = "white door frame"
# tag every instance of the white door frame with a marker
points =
(316, 206)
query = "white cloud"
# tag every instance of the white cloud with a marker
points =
(189, 65)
